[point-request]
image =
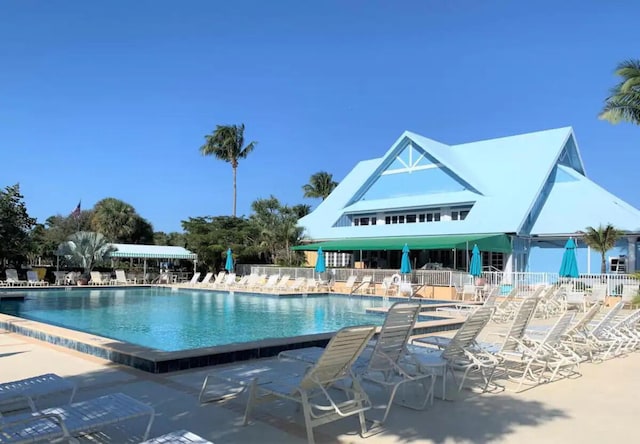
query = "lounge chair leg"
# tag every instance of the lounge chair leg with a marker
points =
(306, 410)
(251, 401)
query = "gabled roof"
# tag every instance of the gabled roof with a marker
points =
(152, 252)
(508, 181)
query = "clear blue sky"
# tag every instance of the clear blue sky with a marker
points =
(112, 99)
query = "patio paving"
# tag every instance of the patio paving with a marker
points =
(599, 406)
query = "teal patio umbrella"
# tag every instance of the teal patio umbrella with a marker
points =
(475, 268)
(569, 265)
(229, 263)
(320, 267)
(405, 263)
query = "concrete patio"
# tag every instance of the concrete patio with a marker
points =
(599, 406)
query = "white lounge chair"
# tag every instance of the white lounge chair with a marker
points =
(194, 279)
(283, 283)
(97, 279)
(349, 284)
(74, 420)
(629, 292)
(365, 285)
(271, 283)
(386, 363)
(122, 279)
(12, 278)
(218, 281)
(178, 437)
(33, 281)
(328, 390)
(60, 277)
(27, 392)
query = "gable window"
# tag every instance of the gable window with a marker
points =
(429, 217)
(356, 221)
(373, 220)
(364, 221)
(394, 219)
(436, 217)
(454, 215)
(387, 220)
(421, 218)
(463, 214)
(400, 219)
(411, 218)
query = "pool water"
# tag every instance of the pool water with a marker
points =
(169, 320)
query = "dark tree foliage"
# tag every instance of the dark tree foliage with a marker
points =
(210, 237)
(15, 226)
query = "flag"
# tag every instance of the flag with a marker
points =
(76, 213)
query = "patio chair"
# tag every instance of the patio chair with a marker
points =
(328, 390)
(389, 287)
(530, 359)
(629, 292)
(461, 353)
(283, 282)
(122, 279)
(218, 281)
(598, 293)
(364, 286)
(385, 362)
(194, 279)
(350, 283)
(178, 437)
(599, 339)
(298, 284)
(466, 309)
(60, 277)
(271, 283)
(74, 420)
(241, 283)
(27, 392)
(97, 279)
(33, 281)
(71, 278)
(12, 278)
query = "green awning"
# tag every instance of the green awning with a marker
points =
(485, 242)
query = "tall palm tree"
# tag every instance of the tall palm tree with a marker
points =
(116, 219)
(602, 239)
(624, 102)
(227, 143)
(321, 184)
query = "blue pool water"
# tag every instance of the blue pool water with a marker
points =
(178, 320)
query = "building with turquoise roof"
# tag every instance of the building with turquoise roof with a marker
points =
(519, 198)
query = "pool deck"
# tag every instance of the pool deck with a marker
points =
(601, 406)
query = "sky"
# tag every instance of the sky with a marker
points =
(113, 99)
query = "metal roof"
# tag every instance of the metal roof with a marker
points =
(152, 252)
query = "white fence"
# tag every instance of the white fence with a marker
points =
(525, 281)
(442, 278)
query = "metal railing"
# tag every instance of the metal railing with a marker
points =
(441, 278)
(526, 281)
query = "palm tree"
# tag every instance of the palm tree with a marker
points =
(602, 239)
(321, 184)
(624, 102)
(85, 249)
(115, 219)
(226, 143)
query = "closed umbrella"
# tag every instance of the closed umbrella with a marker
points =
(229, 263)
(405, 263)
(320, 267)
(475, 268)
(569, 265)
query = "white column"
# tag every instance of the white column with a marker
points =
(588, 259)
(631, 254)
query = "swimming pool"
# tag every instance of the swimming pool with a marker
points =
(167, 320)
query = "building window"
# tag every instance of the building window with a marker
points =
(429, 217)
(394, 219)
(356, 221)
(463, 214)
(387, 220)
(420, 217)
(400, 219)
(454, 215)
(411, 218)
(436, 217)
(373, 221)
(364, 221)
